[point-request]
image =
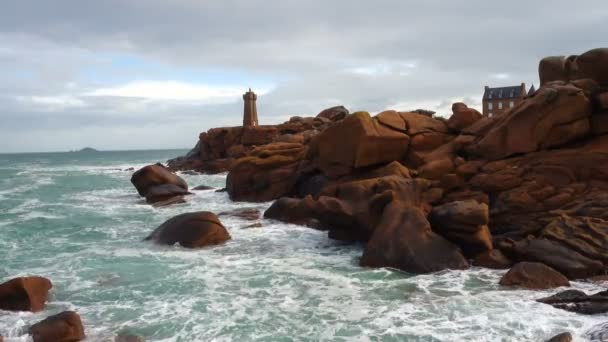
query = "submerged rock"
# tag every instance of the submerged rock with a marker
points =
(24, 294)
(250, 214)
(128, 338)
(203, 187)
(191, 230)
(578, 301)
(533, 275)
(563, 337)
(63, 327)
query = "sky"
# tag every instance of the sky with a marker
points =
(147, 74)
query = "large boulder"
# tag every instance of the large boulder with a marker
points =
(533, 275)
(557, 114)
(334, 113)
(404, 240)
(63, 327)
(465, 223)
(191, 230)
(462, 117)
(269, 172)
(592, 64)
(369, 143)
(24, 294)
(157, 183)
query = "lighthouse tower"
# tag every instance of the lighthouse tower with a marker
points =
(250, 113)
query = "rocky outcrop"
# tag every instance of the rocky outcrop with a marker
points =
(592, 64)
(533, 275)
(63, 327)
(557, 114)
(529, 185)
(191, 230)
(25, 294)
(157, 183)
(578, 301)
(269, 172)
(218, 148)
(385, 212)
(370, 143)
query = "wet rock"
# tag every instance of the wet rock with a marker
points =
(203, 187)
(578, 301)
(63, 327)
(250, 214)
(24, 294)
(254, 225)
(191, 230)
(563, 337)
(269, 172)
(157, 183)
(404, 240)
(533, 275)
(167, 193)
(128, 338)
(492, 259)
(169, 202)
(566, 261)
(222, 190)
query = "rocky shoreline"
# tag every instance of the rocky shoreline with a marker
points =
(525, 191)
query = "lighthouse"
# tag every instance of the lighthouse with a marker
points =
(250, 113)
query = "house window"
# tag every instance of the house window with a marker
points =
(490, 114)
(499, 105)
(490, 106)
(511, 104)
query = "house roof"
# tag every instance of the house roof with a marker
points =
(513, 92)
(532, 90)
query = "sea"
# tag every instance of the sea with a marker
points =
(76, 219)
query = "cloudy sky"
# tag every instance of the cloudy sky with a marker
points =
(142, 74)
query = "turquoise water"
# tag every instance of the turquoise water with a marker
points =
(76, 219)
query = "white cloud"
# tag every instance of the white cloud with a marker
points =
(501, 76)
(54, 102)
(174, 91)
